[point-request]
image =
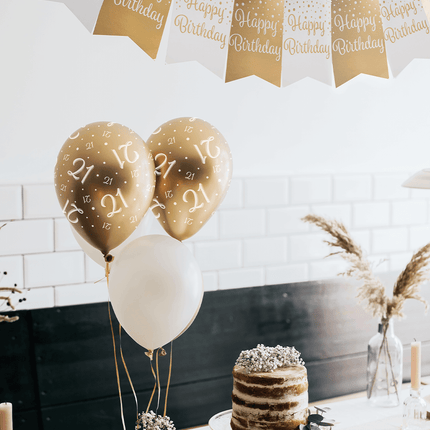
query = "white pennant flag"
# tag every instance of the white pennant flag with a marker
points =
(307, 42)
(200, 31)
(406, 31)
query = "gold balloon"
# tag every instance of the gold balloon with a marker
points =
(193, 168)
(104, 180)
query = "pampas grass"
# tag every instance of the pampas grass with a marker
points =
(372, 292)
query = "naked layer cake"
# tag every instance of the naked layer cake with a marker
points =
(270, 389)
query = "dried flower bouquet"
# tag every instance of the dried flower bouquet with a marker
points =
(372, 292)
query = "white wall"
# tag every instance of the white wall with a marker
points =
(55, 77)
(305, 148)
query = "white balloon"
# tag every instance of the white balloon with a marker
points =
(97, 256)
(156, 289)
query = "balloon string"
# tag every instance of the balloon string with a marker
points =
(158, 381)
(168, 380)
(116, 368)
(128, 375)
(155, 387)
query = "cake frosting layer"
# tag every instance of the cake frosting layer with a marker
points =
(269, 400)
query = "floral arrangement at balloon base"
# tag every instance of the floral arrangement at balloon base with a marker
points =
(385, 351)
(6, 298)
(151, 421)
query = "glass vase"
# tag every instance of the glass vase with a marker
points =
(384, 367)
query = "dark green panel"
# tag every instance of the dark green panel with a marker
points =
(17, 369)
(321, 319)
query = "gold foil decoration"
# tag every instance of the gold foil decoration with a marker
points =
(358, 44)
(255, 44)
(104, 180)
(143, 21)
(193, 167)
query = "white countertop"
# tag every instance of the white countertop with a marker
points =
(355, 413)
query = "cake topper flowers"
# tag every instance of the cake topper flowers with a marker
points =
(267, 359)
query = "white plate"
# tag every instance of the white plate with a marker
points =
(221, 421)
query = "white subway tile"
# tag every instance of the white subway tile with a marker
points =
(287, 220)
(338, 212)
(27, 237)
(286, 274)
(226, 254)
(242, 223)
(40, 201)
(79, 294)
(311, 189)
(210, 281)
(419, 193)
(397, 262)
(265, 192)
(37, 298)
(64, 239)
(352, 188)
(409, 212)
(362, 238)
(93, 271)
(389, 186)
(209, 231)
(375, 214)
(241, 278)
(327, 269)
(58, 268)
(390, 240)
(14, 268)
(380, 263)
(419, 236)
(264, 251)
(11, 198)
(234, 197)
(309, 246)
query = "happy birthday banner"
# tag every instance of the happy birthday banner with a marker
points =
(281, 42)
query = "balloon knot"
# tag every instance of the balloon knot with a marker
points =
(109, 258)
(162, 352)
(149, 353)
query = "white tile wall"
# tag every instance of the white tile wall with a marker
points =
(349, 188)
(11, 198)
(255, 238)
(311, 189)
(371, 214)
(40, 201)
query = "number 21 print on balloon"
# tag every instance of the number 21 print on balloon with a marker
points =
(193, 168)
(104, 180)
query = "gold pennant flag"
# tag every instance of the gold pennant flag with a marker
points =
(255, 45)
(358, 44)
(143, 21)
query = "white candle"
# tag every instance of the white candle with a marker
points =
(415, 365)
(5, 416)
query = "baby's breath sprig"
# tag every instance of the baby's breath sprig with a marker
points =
(151, 421)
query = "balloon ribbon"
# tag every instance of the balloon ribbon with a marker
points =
(128, 375)
(116, 368)
(156, 375)
(107, 271)
(168, 380)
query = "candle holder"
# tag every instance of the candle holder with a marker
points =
(414, 411)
